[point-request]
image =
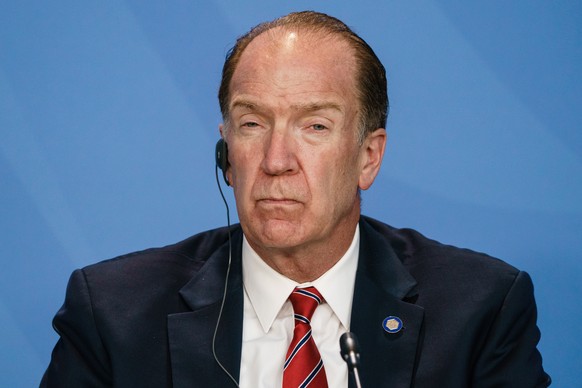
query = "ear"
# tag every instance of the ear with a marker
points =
(221, 130)
(372, 153)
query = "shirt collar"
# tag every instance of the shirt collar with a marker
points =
(268, 290)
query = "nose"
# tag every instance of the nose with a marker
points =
(280, 154)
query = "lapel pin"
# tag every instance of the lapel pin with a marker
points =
(392, 324)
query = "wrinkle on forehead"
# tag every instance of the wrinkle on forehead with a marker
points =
(298, 66)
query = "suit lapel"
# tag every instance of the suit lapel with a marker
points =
(190, 333)
(385, 288)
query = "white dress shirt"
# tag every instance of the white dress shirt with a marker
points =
(268, 321)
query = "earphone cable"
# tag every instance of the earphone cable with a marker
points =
(225, 283)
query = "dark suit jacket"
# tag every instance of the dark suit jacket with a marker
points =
(147, 319)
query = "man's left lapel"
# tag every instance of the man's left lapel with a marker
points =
(385, 288)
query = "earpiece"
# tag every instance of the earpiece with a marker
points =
(222, 158)
(222, 163)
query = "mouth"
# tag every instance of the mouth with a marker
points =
(278, 201)
(281, 203)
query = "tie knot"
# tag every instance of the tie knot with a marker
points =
(304, 301)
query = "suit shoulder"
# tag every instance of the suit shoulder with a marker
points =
(176, 261)
(420, 253)
(454, 282)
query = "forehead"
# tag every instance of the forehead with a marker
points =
(296, 61)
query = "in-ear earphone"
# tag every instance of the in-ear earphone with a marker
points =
(222, 158)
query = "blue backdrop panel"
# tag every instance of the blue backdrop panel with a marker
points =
(108, 119)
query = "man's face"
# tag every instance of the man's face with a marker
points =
(295, 163)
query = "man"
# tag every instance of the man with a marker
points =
(304, 105)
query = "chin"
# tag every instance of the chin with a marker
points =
(279, 234)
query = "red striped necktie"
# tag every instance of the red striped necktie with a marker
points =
(303, 364)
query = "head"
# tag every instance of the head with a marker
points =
(298, 149)
(370, 73)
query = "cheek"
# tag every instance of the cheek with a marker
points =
(332, 179)
(344, 178)
(242, 163)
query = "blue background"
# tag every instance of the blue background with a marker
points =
(108, 120)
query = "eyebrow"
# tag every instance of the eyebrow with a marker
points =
(307, 107)
(243, 104)
(315, 106)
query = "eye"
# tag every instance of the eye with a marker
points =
(250, 124)
(319, 127)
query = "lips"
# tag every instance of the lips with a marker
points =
(278, 201)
